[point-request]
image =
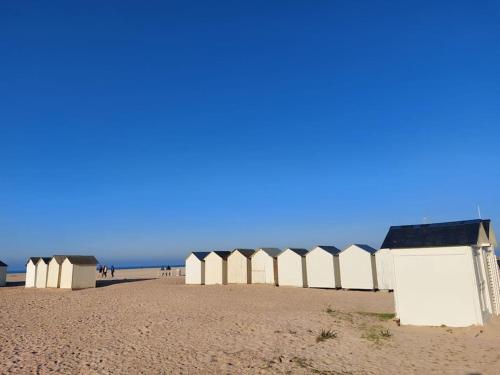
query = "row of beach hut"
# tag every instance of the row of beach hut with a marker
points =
(61, 271)
(356, 267)
(441, 273)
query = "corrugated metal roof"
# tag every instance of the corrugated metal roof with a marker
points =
(330, 249)
(455, 233)
(299, 251)
(246, 252)
(2, 264)
(200, 254)
(82, 259)
(271, 251)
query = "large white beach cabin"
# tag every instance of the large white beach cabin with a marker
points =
(357, 267)
(78, 272)
(265, 266)
(30, 277)
(3, 273)
(323, 269)
(216, 267)
(42, 267)
(292, 268)
(239, 266)
(445, 273)
(195, 268)
(54, 271)
(385, 269)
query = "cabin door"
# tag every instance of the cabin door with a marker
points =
(491, 266)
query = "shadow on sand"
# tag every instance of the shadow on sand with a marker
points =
(101, 283)
(14, 283)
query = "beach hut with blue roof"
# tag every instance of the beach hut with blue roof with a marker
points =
(195, 268)
(358, 268)
(323, 268)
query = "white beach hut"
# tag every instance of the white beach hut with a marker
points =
(41, 272)
(216, 267)
(78, 272)
(385, 269)
(323, 269)
(3, 273)
(292, 268)
(239, 266)
(265, 266)
(195, 268)
(54, 271)
(358, 268)
(31, 272)
(445, 273)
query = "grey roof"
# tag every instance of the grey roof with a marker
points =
(455, 233)
(33, 259)
(200, 254)
(222, 254)
(246, 252)
(299, 251)
(59, 258)
(82, 259)
(367, 248)
(45, 260)
(271, 251)
(2, 264)
(330, 249)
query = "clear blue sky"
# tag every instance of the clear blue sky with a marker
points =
(137, 131)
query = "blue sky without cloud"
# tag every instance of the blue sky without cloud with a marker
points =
(137, 131)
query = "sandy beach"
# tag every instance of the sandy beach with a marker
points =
(138, 324)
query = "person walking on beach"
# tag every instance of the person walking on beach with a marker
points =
(112, 271)
(105, 272)
(100, 269)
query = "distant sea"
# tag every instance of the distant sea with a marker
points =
(131, 267)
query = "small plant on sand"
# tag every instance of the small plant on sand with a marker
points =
(325, 335)
(376, 334)
(385, 333)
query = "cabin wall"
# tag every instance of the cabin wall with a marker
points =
(41, 275)
(292, 269)
(84, 276)
(238, 267)
(357, 269)
(436, 286)
(215, 270)
(3, 276)
(30, 275)
(195, 270)
(66, 275)
(263, 268)
(320, 269)
(53, 275)
(385, 269)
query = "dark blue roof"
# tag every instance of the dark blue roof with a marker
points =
(200, 254)
(454, 233)
(367, 248)
(2, 264)
(246, 252)
(222, 254)
(301, 252)
(330, 249)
